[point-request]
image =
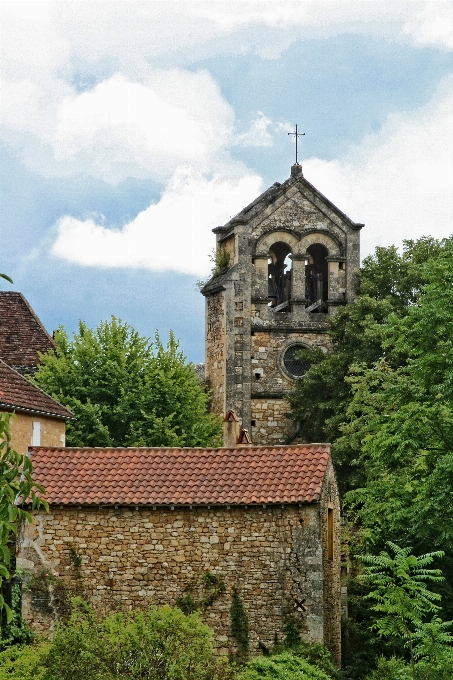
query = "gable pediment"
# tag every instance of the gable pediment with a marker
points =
(294, 204)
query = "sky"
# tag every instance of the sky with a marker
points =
(129, 130)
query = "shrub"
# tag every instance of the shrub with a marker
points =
(23, 662)
(391, 669)
(281, 667)
(156, 644)
(317, 655)
(17, 631)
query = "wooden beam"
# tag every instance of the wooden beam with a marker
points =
(316, 304)
(278, 308)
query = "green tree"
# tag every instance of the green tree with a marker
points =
(403, 602)
(16, 484)
(401, 419)
(383, 397)
(126, 390)
(387, 283)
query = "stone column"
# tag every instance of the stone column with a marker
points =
(298, 301)
(337, 282)
(260, 284)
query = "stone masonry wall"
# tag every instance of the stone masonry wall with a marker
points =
(215, 350)
(267, 356)
(53, 431)
(132, 557)
(331, 567)
(270, 382)
(269, 423)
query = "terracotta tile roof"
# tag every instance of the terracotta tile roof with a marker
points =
(248, 475)
(22, 335)
(19, 394)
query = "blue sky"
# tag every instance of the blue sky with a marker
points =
(130, 129)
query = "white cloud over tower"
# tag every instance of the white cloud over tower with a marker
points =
(172, 124)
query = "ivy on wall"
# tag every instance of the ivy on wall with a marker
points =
(212, 587)
(239, 627)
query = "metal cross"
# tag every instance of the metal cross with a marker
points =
(296, 134)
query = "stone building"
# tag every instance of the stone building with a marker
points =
(39, 419)
(292, 260)
(131, 527)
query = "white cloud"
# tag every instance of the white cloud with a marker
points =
(258, 134)
(400, 181)
(123, 128)
(148, 122)
(433, 25)
(173, 234)
(120, 128)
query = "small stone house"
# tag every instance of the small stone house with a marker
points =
(194, 528)
(39, 419)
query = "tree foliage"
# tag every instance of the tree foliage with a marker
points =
(23, 662)
(156, 644)
(283, 666)
(383, 396)
(388, 283)
(403, 602)
(401, 417)
(16, 485)
(126, 390)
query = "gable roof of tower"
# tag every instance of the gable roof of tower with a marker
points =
(260, 204)
(22, 334)
(19, 394)
(140, 476)
(274, 192)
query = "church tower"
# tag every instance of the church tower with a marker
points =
(292, 259)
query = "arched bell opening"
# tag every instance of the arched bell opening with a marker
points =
(316, 278)
(279, 270)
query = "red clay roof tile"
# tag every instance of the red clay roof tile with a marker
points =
(19, 394)
(281, 474)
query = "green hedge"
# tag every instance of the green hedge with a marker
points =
(281, 667)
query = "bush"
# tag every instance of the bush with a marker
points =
(317, 655)
(157, 644)
(23, 662)
(281, 667)
(391, 669)
(17, 631)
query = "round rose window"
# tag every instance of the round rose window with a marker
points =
(296, 365)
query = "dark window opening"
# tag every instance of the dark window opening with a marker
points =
(253, 423)
(257, 376)
(279, 277)
(295, 364)
(316, 278)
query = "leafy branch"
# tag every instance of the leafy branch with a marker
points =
(16, 487)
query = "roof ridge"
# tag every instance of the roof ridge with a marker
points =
(180, 448)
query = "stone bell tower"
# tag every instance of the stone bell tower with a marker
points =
(293, 255)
